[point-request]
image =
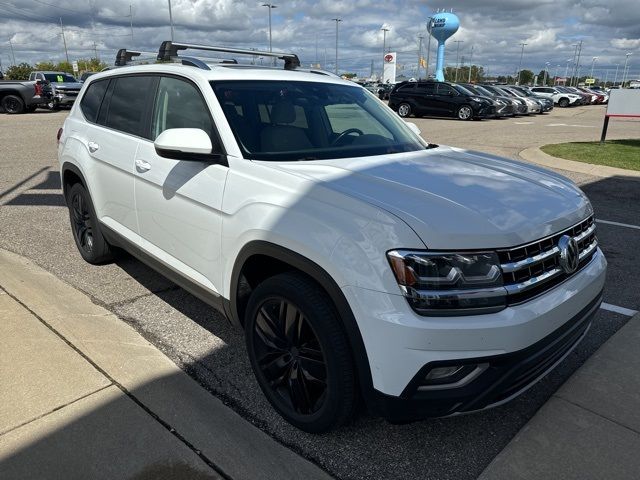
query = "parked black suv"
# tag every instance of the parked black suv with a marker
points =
(439, 99)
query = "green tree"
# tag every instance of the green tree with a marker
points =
(526, 77)
(91, 65)
(64, 67)
(45, 66)
(19, 72)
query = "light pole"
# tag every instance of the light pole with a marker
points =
(384, 48)
(615, 79)
(337, 20)
(624, 70)
(170, 19)
(429, 26)
(593, 61)
(546, 73)
(566, 71)
(131, 23)
(13, 55)
(270, 6)
(470, 64)
(420, 37)
(458, 58)
(576, 74)
(520, 64)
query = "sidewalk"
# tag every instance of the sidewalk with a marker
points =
(83, 395)
(590, 428)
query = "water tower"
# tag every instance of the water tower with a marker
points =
(443, 25)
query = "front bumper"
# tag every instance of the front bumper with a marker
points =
(64, 98)
(402, 346)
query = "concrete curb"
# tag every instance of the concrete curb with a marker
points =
(535, 155)
(237, 448)
(590, 428)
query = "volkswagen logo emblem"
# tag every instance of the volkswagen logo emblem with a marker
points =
(569, 253)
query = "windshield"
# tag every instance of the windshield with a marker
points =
(59, 78)
(483, 91)
(276, 120)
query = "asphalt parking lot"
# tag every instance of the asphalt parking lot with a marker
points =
(34, 223)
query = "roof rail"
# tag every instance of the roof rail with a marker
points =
(169, 51)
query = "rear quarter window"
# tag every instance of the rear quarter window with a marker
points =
(128, 104)
(92, 99)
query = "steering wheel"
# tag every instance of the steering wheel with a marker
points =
(347, 132)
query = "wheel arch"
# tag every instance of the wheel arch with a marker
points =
(70, 174)
(277, 259)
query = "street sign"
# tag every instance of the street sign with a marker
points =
(622, 103)
(75, 67)
(589, 81)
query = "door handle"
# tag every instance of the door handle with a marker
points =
(93, 147)
(142, 165)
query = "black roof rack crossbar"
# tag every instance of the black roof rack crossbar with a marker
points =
(169, 50)
(124, 56)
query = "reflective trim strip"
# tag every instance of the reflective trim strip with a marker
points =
(453, 294)
(526, 285)
(527, 262)
(587, 251)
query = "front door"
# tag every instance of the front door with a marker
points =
(178, 201)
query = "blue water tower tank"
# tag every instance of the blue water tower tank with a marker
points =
(442, 26)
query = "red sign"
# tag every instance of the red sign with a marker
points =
(388, 57)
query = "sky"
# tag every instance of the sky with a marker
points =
(608, 29)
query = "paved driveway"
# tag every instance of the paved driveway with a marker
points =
(34, 223)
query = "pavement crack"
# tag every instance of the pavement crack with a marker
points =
(59, 407)
(626, 427)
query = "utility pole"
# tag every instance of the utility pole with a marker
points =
(170, 19)
(420, 37)
(458, 58)
(624, 70)
(95, 50)
(64, 40)
(606, 77)
(546, 74)
(520, 64)
(270, 6)
(576, 69)
(615, 79)
(337, 20)
(13, 55)
(470, 64)
(384, 47)
(429, 26)
(592, 64)
(566, 70)
(131, 23)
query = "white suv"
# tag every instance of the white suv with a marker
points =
(561, 99)
(360, 260)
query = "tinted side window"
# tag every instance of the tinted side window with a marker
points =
(406, 88)
(444, 90)
(179, 105)
(426, 88)
(128, 104)
(92, 99)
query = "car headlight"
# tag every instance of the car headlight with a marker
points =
(477, 99)
(447, 283)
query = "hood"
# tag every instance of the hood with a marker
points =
(456, 199)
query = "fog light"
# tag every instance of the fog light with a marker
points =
(442, 372)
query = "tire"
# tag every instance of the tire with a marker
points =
(563, 102)
(465, 112)
(404, 110)
(30, 109)
(306, 372)
(12, 104)
(53, 106)
(85, 227)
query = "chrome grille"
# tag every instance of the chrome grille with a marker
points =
(529, 270)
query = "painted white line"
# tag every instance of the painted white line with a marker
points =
(523, 123)
(569, 125)
(616, 309)
(618, 224)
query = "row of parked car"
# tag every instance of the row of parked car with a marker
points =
(472, 101)
(50, 90)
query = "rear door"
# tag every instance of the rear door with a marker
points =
(112, 139)
(425, 98)
(445, 99)
(179, 201)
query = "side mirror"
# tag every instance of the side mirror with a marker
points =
(184, 144)
(414, 128)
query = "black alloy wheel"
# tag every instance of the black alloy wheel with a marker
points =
(290, 356)
(299, 353)
(564, 102)
(84, 225)
(12, 104)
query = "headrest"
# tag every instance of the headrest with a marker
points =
(283, 112)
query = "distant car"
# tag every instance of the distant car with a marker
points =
(583, 99)
(545, 103)
(20, 97)
(533, 106)
(60, 88)
(440, 99)
(559, 97)
(86, 75)
(384, 89)
(519, 104)
(506, 106)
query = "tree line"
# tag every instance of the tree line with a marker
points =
(22, 70)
